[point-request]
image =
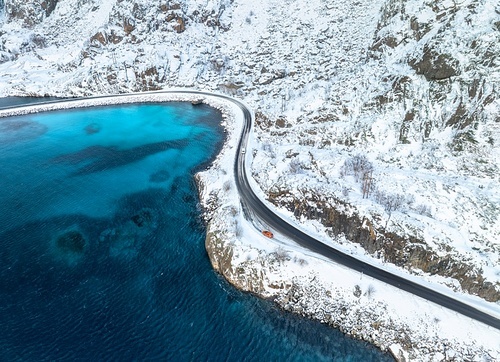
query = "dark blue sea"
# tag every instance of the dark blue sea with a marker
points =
(102, 248)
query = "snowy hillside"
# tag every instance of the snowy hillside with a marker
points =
(380, 119)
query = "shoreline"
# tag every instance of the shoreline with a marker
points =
(303, 291)
(289, 276)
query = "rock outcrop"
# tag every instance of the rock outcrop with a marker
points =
(435, 66)
(409, 252)
(30, 12)
(356, 313)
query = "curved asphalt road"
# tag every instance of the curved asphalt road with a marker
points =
(252, 204)
(276, 223)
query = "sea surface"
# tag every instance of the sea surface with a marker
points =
(102, 248)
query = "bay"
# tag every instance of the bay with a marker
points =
(102, 247)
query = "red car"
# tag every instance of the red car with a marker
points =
(267, 233)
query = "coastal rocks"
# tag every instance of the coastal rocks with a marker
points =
(317, 289)
(222, 259)
(305, 292)
(368, 321)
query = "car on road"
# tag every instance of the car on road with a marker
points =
(267, 233)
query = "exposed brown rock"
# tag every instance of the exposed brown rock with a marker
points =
(409, 251)
(31, 12)
(128, 26)
(180, 25)
(100, 37)
(460, 118)
(435, 66)
(148, 79)
(115, 38)
(48, 6)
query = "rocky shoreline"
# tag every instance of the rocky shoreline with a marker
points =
(297, 282)
(303, 284)
(355, 313)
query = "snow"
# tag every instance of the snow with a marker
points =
(425, 321)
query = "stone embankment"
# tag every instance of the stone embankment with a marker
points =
(354, 312)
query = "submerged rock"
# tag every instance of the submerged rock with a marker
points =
(145, 218)
(92, 128)
(71, 241)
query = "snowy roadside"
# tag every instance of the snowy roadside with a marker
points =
(330, 80)
(302, 282)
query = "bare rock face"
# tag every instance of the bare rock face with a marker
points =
(409, 252)
(243, 275)
(31, 12)
(180, 25)
(435, 66)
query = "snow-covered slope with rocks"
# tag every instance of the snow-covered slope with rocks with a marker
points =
(377, 120)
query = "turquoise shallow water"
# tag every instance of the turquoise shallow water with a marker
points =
(102, 249)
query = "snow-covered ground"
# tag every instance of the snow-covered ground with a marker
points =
(302, 282)
(410, 85)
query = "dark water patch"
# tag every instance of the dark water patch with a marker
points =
(72, 241)
(6, 102)
(130, 205)
(99, 158)
(86, 154)
(159, 176)
(37, 256)
(92, 128)
(11, 126)
(188, 198)
(14, 131)
(145, 218)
